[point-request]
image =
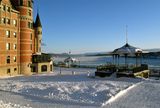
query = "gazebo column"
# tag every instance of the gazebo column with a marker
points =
(125, 55)
(136, 59)
(113, 57)
(141, 58)
(138, 56)
(118, 59)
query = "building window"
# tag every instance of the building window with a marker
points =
(39, 32)
(30, 25)
(29, 4)
(15, 69)
(21, 2)
(14, 59)
(7, 46)
(31, 46)
(15, 34)
(15, 46)
(29, 13)
(31, 36)
(3, 20)
(8, 33)
(15, 22)
(8, 71)
(44, 68)
(8, 59)
(8, 9)
(3, 7)
(8, 21)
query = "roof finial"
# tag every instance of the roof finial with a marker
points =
(126, 34)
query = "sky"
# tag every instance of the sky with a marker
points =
(82, 26)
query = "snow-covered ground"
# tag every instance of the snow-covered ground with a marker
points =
(63, 89)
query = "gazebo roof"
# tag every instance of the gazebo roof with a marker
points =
(127, 49)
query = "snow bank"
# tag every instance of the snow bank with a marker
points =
(121, 93)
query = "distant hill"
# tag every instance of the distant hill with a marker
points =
(65, 55)
(152, 50)
(149, 52)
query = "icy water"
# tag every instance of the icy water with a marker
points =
(98, 60)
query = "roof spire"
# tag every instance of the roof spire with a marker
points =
(38, 21)
(126, 34)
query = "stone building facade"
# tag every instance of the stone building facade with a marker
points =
(20, 40)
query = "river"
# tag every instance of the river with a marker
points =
(99, 60)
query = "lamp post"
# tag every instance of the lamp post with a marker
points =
(60, 70)
(125, 55)
(79, 64)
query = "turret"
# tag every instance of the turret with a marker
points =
(38, 34)
(26, 33)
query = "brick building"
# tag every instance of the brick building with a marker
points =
(20, 40)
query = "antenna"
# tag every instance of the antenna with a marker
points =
(37, 7)
(126, 34)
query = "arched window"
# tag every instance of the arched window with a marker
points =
(51, 67)
(44, 68)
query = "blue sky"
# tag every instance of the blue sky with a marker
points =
(98, 25)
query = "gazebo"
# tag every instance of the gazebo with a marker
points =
(70, 60)
(126, 50)
(124, 71)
